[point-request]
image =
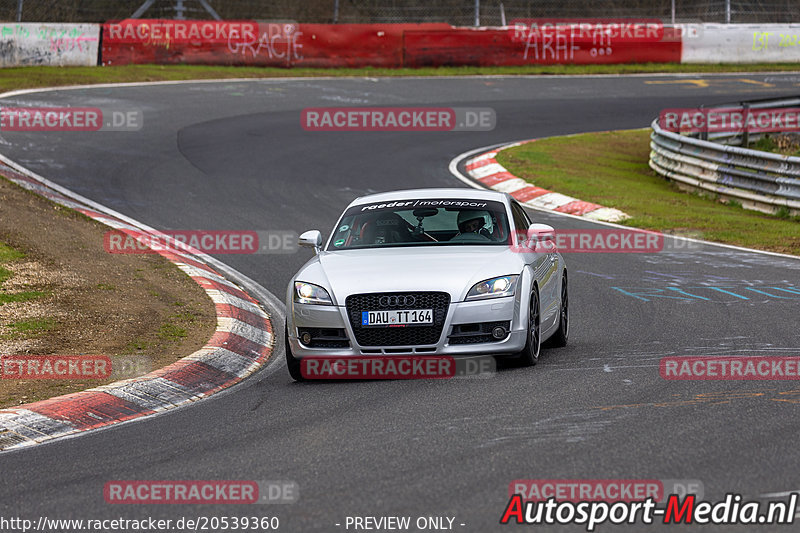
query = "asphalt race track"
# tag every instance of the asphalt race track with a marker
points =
(232, 155)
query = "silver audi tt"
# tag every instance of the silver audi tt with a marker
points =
(458, 272)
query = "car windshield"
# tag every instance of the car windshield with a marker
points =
(425, 222)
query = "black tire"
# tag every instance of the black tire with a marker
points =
(292, 363)
(529, 355)
(559, 338)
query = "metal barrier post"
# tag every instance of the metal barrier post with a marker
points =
(746, 132)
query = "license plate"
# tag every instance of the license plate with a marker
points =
(397, 317)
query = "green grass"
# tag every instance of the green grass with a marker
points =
(4, 274)
(134, 346)
(170, 331)
(765, 144)
(779, 144)
(30, 328)
(23, 296)
(28, 77)
(25, 328)
(8, 253)
(187, 316)
(611, 169)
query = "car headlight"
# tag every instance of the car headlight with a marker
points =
(493, 288)
(308, 293)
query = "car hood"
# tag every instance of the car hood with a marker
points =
(453, 269)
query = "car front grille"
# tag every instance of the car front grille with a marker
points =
(398, 336)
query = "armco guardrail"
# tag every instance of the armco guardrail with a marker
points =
(759, 180)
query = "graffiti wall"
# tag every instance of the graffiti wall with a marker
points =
(291, 44)
(743, 43)
(283, 44)
(27, 44)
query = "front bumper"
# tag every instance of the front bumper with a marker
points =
(305, 316)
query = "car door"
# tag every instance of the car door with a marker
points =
(546, 266)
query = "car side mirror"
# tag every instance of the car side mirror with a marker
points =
(311, 238)
(542, 238)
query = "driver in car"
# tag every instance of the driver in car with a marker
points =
(473, 221)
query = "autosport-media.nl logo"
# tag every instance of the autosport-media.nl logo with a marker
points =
(398, 119)
(201, 241)
(592, 502)
(76, 119)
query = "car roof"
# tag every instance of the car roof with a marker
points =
(419, 194)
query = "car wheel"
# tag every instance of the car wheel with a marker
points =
(559, 338)
(530, 354)
(292, 363)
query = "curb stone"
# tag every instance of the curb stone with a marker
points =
(240, 345)
(485, 169)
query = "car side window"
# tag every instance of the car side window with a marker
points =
(521, 220)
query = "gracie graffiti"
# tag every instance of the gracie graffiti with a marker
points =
(279, 41)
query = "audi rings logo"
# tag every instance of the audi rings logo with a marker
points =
(394, 301)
